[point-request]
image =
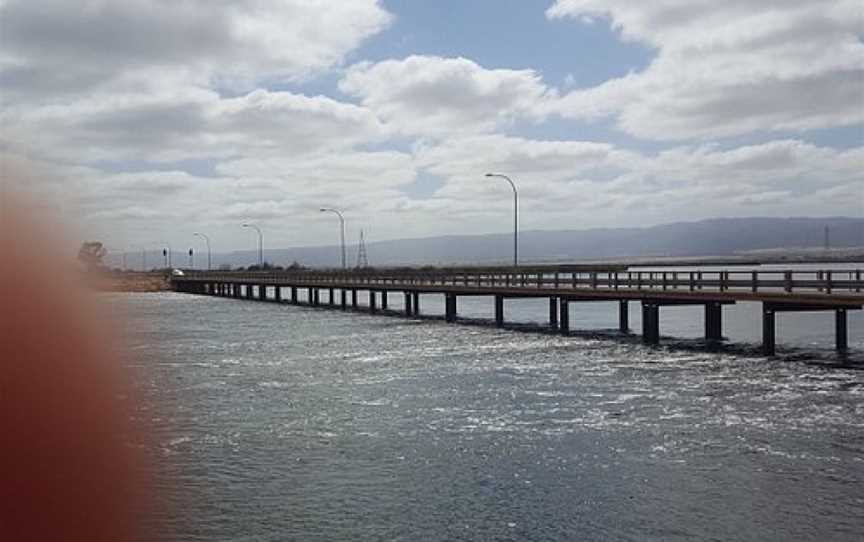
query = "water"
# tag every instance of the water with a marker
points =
(287, 423)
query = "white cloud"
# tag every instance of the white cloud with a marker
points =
(142, 85)
(729, 68)
(143, 80)
(573, 183)
(536, 163)
(562, 184)
(430, 95)
(60, 46)
(188, 123)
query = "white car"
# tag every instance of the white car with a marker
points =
(177, 273)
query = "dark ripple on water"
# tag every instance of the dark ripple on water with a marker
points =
(277, 423)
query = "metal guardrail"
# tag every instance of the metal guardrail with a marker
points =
(789, 281)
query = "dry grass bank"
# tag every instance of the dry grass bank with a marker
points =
(128, 282)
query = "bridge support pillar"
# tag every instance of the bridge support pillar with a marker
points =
(553, 312)
(249, 291)
(262, 292)
(650, 323)
(344, 298)
(408, 309)
(450, 307)
(713, 321)
(316, 297)
(499, 310)
(768, 329)
(564, 316)
(840, 330)
(624, 316)
(277, 294)
(354, 298)
(416, 303)
(310, 297)
(372, 301)
(294, 295)
(383, 300)
(331, 299)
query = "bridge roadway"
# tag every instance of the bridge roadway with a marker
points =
(837, 290)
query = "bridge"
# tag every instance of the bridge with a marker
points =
(833, 290)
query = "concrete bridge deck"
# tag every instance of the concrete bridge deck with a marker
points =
(837, 290)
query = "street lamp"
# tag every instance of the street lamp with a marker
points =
(342, 231)
(166, 253)
(260, 244)
(206, 240)
(515, 216)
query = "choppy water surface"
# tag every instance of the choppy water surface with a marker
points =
(284, 423)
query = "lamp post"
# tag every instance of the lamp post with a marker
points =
(207, 241)
(515, 216)
(166, 253)
(260, 244)
(342, 230)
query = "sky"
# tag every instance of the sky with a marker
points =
(144, 121)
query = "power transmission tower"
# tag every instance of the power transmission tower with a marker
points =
(362, 258)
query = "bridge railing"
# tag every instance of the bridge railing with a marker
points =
(822, 281)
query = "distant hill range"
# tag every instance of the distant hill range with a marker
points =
(750, 238)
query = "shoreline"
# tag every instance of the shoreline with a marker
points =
(128, 282)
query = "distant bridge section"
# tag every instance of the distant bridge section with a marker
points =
(837, 290)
